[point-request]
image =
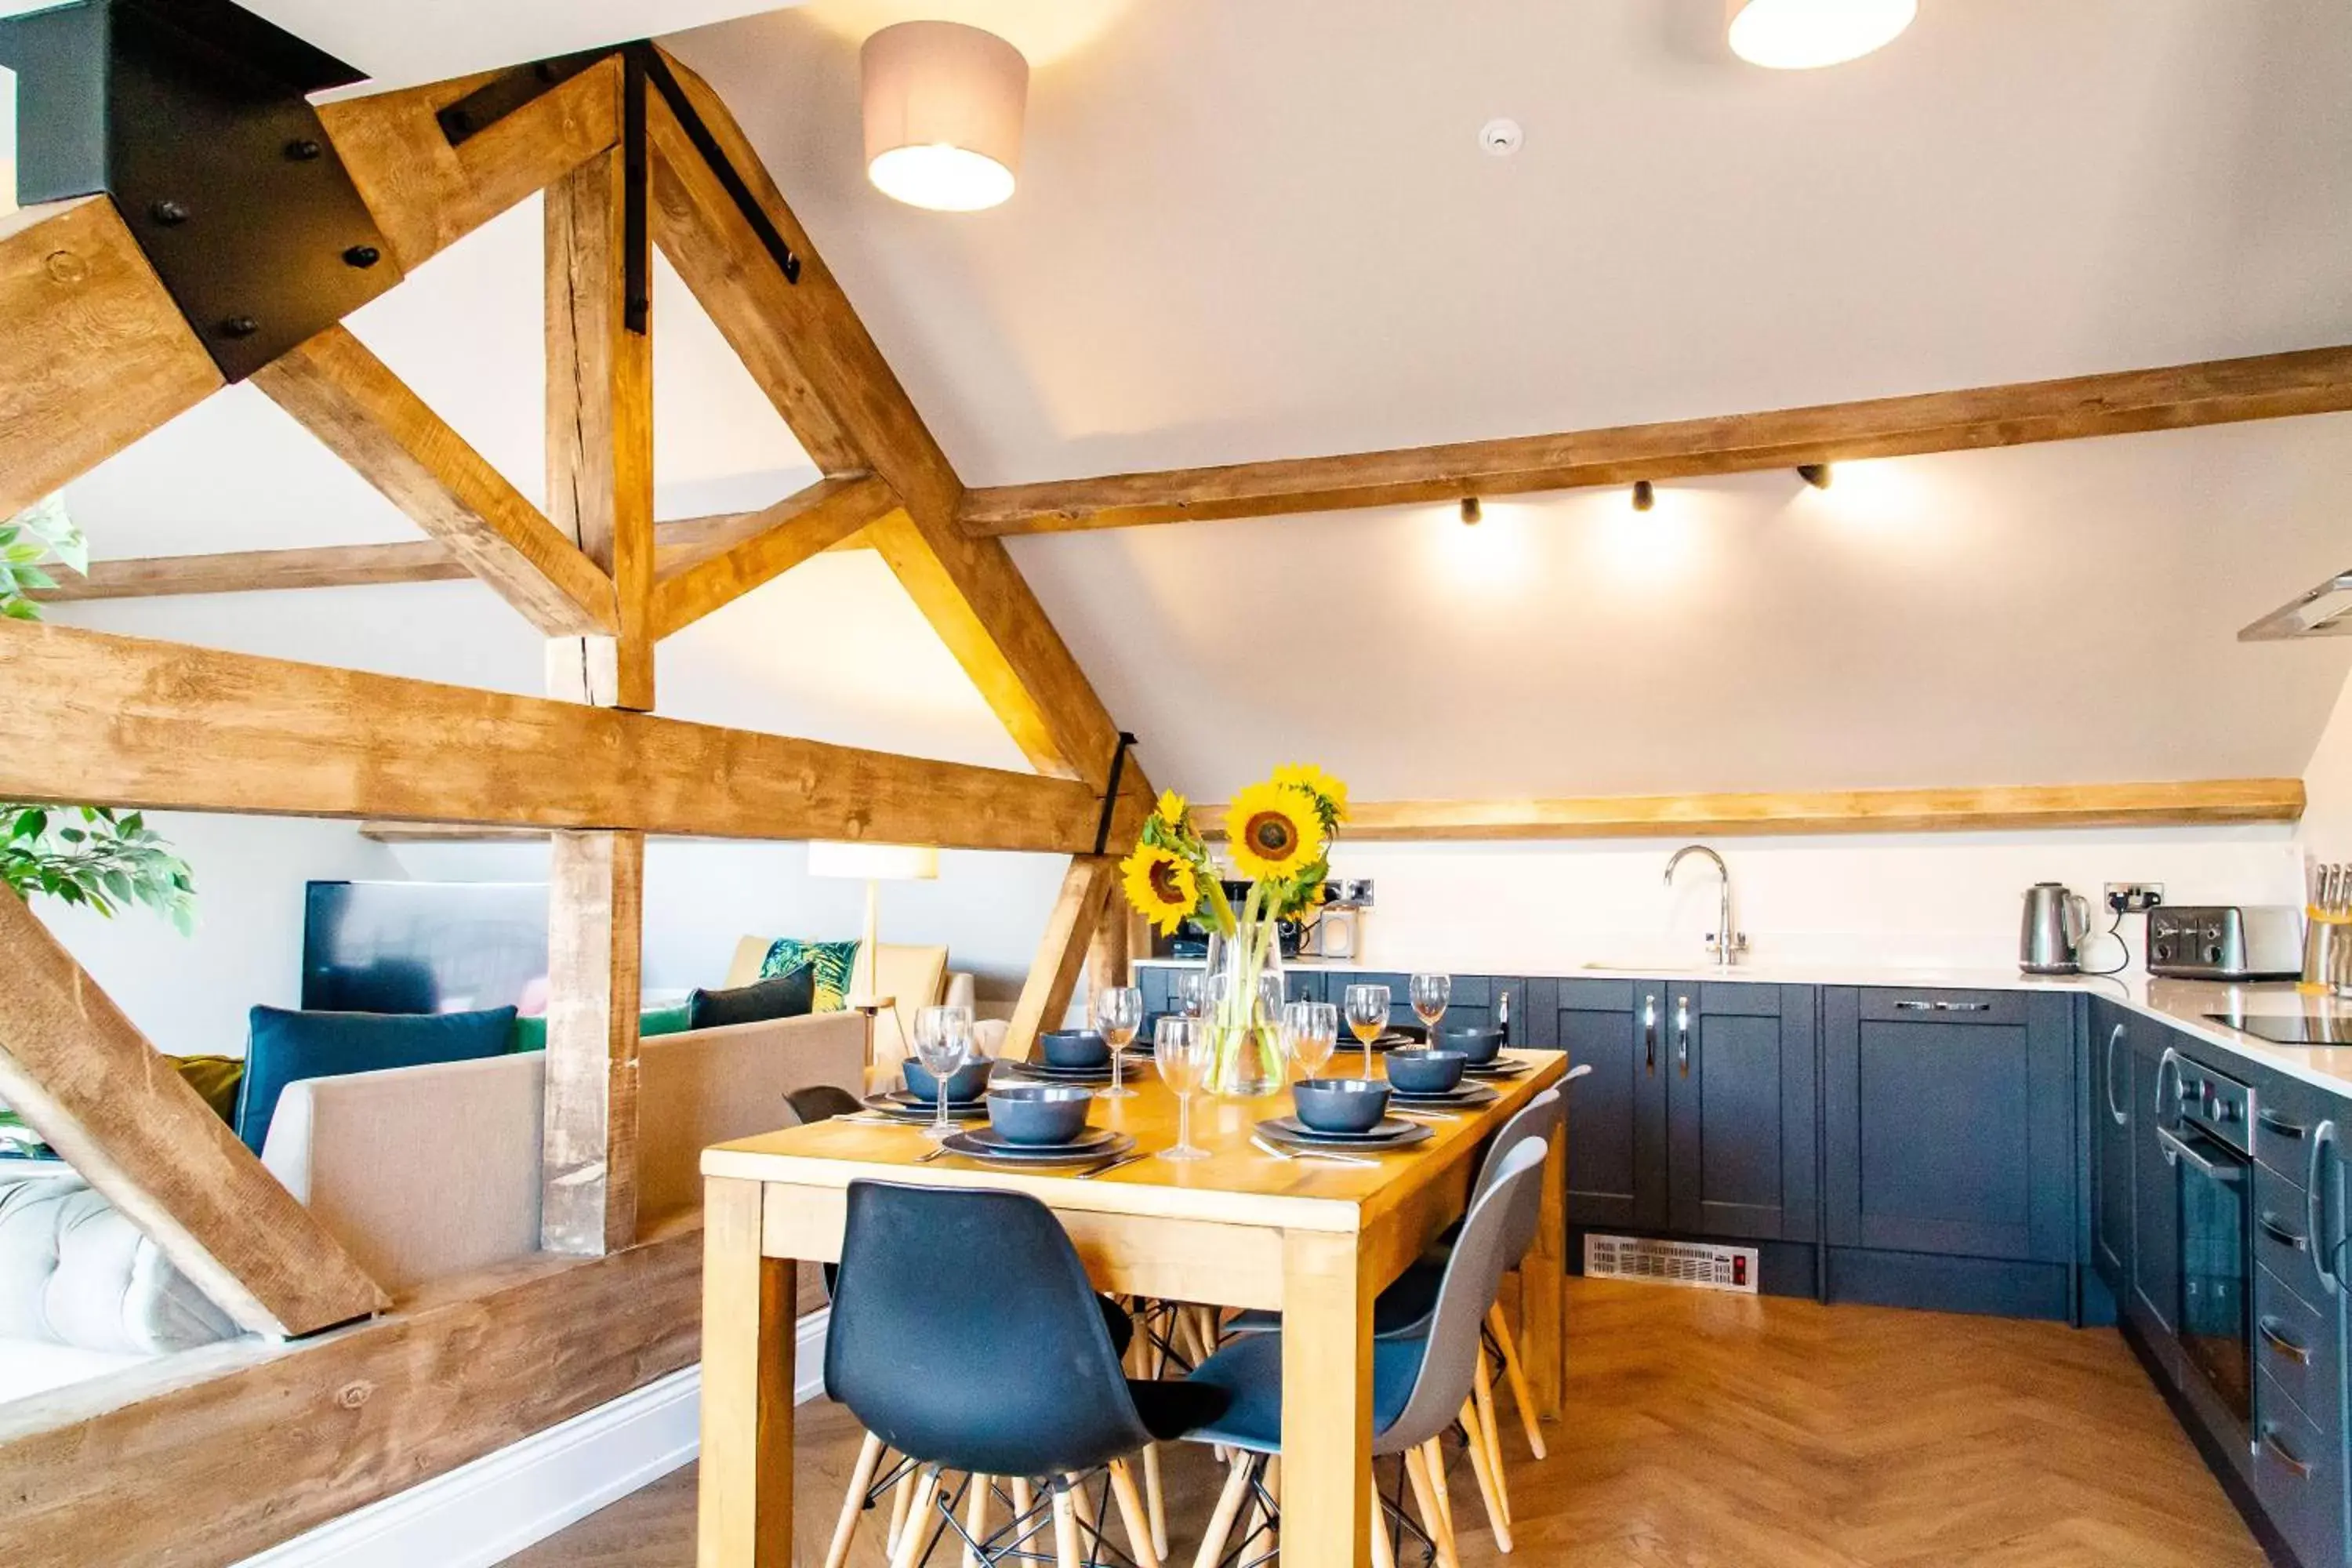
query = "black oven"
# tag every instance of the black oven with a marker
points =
(2204, 1122)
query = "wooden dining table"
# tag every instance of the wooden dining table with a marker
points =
(1314, 1240)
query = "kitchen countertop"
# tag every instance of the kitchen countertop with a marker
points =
(2181, 1003)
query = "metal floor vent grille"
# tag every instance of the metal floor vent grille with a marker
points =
(1702, 1265)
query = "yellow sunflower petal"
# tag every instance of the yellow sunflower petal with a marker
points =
(1273, 830)
(1173, 807)
(1317, 783)
(1161, 886)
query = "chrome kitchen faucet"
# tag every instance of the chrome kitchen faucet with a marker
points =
(1724, 944)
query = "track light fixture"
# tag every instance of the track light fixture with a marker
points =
(1814, 474)
(1471, 512)
(1646, 495)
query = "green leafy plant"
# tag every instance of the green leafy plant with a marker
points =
(91, 855)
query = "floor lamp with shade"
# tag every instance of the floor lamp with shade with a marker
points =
(874, 864)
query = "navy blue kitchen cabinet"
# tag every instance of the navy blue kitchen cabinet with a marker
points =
(1699, 1113)
(1948, 1148)
(2113, 1106)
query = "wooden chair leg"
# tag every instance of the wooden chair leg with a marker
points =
(1435, 1450)
(1496, 1520)
(1131, 1513)
(1229, 1508)
(1024, 1498)
(1416, 1471)
(901, 1496)
(1083, 1502)
(1518, 1378)
(1492, 1431)
(1066, 1529)
(869, 1459)
(975, 1519)
(1383, 1553)
(915, 1535)
(1155, 1499)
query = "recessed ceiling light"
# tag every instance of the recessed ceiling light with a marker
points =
(1798, 34)
(1501, 138)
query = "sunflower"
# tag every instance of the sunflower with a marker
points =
(1276, 830)
(1331, 794)
(1173, 807)
(1162, 885)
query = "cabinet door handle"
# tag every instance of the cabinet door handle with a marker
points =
(2280, 1124)
(2268, 1328)
(1649, 1034)
(1912, 1005)
(1682, 1034)
(2280, 1234)
(2315, 1206)
(2284, 1455)
(2121, 1114)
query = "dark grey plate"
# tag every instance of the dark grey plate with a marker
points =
(982, 1143)
(1392, 1133)
(1460, 1097)
(1501, 1066)
(899, 1107)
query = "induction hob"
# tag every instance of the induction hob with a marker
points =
(2290, 1028)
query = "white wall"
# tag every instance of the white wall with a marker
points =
(2327, 827)
(1914, 900)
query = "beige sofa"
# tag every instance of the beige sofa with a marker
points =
(422, 1172)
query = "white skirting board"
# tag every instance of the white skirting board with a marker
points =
(484, 1512)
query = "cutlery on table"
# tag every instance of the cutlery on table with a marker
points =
(1311, 1155)
(936, 1153)
(1425, 1115)
(1130, 1158)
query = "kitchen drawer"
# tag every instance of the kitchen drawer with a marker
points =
(1888, 1004)
(2298, 1477)
(2286, 1110)
(2296, 1347)
(2281, 1242)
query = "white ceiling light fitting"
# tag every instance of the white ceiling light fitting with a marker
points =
(1800, 35)
(943, 108)
(1501, 138)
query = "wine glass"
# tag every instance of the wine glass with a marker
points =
(1119, 1013)
(1181, 1047)
(942, 1040)
(1368, 1015)
(1191, 991)
(1430, 993)
(1309, 1030)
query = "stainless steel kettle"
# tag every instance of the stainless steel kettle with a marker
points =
(2054, 922)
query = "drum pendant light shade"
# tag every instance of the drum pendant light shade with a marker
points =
(1798, 34)
(943, 109)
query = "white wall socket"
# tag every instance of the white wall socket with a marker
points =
(2134, 898)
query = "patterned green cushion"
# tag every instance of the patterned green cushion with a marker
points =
(835, 963)
(19, 1142)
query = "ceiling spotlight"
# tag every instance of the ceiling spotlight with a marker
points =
(943, 108)
(1798, 34)
(1646, 495)
(1814, 474)
(1471, 510)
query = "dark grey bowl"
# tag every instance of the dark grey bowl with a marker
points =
(1341, 1104)
(1424, 1071)
(1039, 1112)
(1472, 1040)
(1075, 1048)
(966, 1083)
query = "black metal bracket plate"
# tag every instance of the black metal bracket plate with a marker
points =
(1110, 791)
(191, 115)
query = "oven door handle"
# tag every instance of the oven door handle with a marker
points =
(2169, 1062)
(2177, 1148)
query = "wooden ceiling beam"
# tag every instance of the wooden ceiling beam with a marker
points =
(826, 514)
(1977, 809)
(805, 345)
(94, 355)
(127, 722)
(2269, 386)
(92, 1085)
(426, 195)
(368, 417)
(677, 546)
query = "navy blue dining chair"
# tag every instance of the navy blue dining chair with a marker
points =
(966, 1336)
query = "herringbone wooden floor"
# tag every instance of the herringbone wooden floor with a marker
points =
(1708, 1431)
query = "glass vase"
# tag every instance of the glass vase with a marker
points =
(1243, 1011)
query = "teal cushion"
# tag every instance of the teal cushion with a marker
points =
(790, 996)
(531, 1032)
(284, 1047)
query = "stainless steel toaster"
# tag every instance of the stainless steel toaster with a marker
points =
(2225, 941)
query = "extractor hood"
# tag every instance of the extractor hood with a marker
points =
(2325, 612)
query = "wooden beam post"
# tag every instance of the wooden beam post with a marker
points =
(815, 519)
(600, 428)
(368, 417)
(93, 352)
(1088, 887)
(596, 913)
(1108, 953)
(73, 1065)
